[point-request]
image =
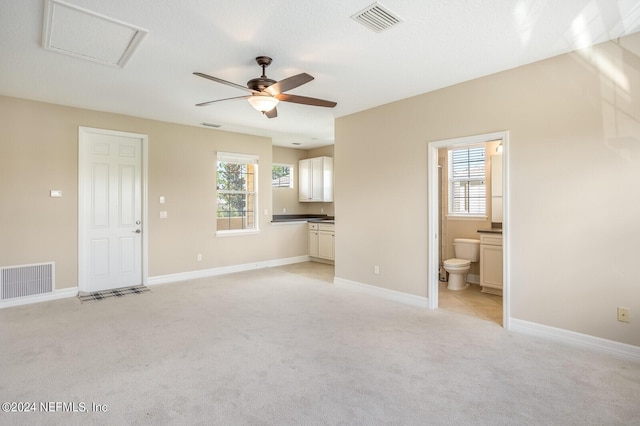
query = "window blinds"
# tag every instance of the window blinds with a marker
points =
(467, 188)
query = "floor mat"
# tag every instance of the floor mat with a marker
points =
(117, 292)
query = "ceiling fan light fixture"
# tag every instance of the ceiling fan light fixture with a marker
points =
(263, 103)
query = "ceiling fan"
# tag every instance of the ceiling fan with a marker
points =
(266, 93)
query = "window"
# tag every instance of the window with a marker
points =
(237, 185)
(467, 186)
(282, 176)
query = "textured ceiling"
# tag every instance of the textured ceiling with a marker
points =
(439, 43)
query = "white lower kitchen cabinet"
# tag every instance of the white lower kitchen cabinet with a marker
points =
(321, 241)
(325, 244)
(313, 240)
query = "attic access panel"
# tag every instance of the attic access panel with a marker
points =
(78, 32)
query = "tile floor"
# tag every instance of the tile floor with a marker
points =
(319, 271)
(469, 301)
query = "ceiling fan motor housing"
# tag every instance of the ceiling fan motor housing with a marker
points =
(260, 83)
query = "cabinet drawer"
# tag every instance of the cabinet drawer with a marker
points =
(491, 239)
(313, 226)
(326, 227)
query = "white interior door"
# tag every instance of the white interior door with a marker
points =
(110, 210)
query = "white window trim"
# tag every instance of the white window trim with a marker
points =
(237, 158)
(467, 217)
(241, 159)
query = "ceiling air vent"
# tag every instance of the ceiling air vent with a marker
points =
(376, 17)
(74, 31)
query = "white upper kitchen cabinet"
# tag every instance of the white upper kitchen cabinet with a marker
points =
(315, 179)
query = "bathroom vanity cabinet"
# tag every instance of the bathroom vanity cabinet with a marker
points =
(491, 263)
(321, 241)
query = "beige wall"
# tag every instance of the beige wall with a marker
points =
(574, 164)
(287, 198)
(39, 152)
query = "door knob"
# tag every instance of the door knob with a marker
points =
(137, 231)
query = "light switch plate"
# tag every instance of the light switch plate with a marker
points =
(163, 214)
(55, 193)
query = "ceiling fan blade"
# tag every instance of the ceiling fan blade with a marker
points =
(305, 100)
(220, 100)
(288, 84)
(219, 80)
(273, 113)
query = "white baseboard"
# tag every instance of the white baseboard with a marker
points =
(285, 261)
(162, 279)
(584, 340)
(204, 273)
(517, 325)
(62, 293)
(396, 296)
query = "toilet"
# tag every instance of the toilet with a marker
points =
(466, 251)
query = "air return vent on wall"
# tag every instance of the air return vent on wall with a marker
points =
(78, 32)
(376, 17)
(26, 280)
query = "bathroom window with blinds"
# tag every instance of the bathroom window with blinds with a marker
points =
(467, 181)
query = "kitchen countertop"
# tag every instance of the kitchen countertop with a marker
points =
(280, 218)
(490, 231)
(331, 221)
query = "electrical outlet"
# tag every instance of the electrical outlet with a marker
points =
(376, 270)
(623, 314)
(199, 257)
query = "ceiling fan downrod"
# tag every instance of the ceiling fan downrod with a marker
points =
(264, 62)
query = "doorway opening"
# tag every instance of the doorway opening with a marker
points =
(436, 242)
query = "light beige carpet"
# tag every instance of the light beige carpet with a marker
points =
(273, 348)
